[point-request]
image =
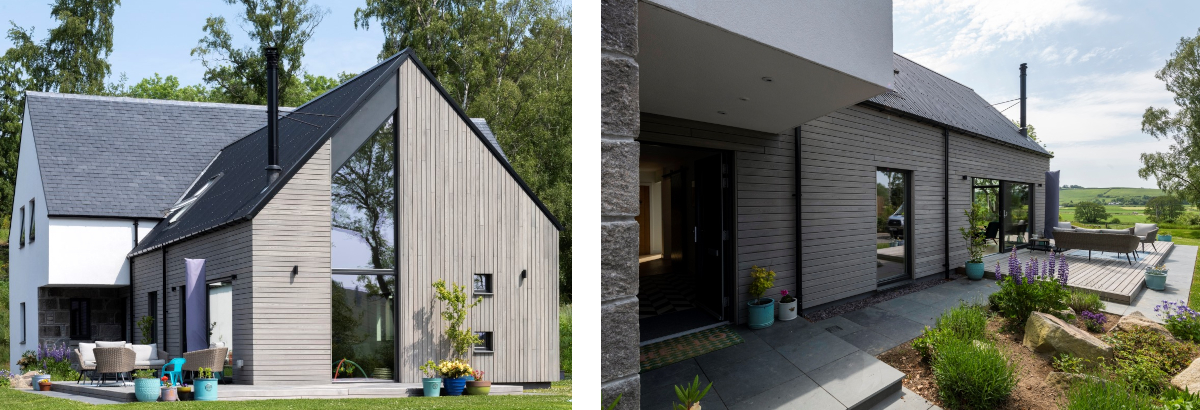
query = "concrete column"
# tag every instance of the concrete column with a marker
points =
(620, 120)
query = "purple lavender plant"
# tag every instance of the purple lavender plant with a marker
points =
(999, 275)
(1093, 321)
(1063, 271)
(1050, 263)
(1031, 271)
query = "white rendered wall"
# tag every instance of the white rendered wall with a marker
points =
(91, 251)
(27, 266)
(854, 37)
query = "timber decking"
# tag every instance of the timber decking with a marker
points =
(1107, 273)
(240, 392)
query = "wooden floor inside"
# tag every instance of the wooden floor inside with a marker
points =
(1108, 274)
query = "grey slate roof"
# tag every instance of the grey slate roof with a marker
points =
(127, 157)
(487, 133)
(924, 93)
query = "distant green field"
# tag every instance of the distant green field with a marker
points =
(1125, 214)
(1088, 194)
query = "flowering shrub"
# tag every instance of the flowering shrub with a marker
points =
(1094, 322)
(52, 359)
(478, 375)
(787, 297)
(1181, 320)
(453, 369)
(1037, 286)
(5, 379)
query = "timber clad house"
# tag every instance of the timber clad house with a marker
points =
(114, 194)
(816, 152)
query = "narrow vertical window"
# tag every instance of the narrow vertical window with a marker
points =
(32, 219)
(22, 237)
(152, 311)
(81, 319)
(22, 322)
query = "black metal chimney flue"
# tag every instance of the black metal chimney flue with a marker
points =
(273, 168)
(1024, 131)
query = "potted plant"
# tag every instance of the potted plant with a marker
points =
(761, 310)
(974, 239)
(185, 392)
(690, 395)
(44, 385)
(1156, 277)
(479, 387)
(431, 383)
(168, 390)
(455, 373)
(38, 377)
(787, 306)
(205, 386)
(1164, 236)
(145, 386)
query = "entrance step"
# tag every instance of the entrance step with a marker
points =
(904, 399)
(858, 380)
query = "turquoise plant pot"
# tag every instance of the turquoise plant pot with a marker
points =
(432, 386)
(455, 386)
(974, 270)
(146, 390)
(761, 316)
(205, 390)
(1164, 238)
(1156, 281)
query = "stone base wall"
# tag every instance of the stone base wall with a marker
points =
(107, 308)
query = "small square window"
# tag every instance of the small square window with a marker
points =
(483, 284)
(485, 345)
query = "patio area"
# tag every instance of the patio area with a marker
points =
(1110, 275)
(237, 392)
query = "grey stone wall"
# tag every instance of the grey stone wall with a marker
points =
(107, 311)
(619, 123)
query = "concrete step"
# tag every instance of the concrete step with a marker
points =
(858, 380)
(904, 399)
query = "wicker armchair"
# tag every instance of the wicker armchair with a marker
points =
(213, 358)
(1149, 238)
(84, 369)
(116, 361)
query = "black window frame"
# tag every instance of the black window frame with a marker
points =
(152, 311)
(23, 323)
(80, 319)
(489, 281)
(32, 216)
(21, 238)
(488, 344)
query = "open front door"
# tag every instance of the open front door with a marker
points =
(709, 234)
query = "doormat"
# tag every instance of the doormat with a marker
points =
(656, 355)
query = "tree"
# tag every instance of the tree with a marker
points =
(240, 73)
(363, 202)
(167, 88)
(1178, 169)
(1163, 208)
(508, 62)
(1090, 212)
(71, 59)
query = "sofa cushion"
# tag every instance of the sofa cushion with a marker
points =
(1115, 231)
(216, 345)
(1057, 229)
(86, 353)
(1143, 229)
(145, 352)
(110, 344)
(155, 362)
(1065, 226)
(1085, 230)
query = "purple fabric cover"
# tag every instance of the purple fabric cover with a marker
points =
(196, 305)
(1051, 218)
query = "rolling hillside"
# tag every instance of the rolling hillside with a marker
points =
(1104, 194)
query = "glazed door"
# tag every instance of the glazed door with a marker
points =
(709, 234)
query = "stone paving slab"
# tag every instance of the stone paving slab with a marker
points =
(1180, 264)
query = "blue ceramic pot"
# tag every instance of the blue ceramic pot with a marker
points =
(432, 386)
(1164, 238)
(205, 390)
(761, 316)
(974, 270)
(455, 386)
(146, 390)
(1156, 281)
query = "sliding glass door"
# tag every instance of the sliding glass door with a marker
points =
(1018, 214)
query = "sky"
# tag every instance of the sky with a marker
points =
(1090, 77)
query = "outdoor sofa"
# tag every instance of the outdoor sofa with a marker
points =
(83, 357)
(1100, 240)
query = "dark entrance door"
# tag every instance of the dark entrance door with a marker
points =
(1016, 199)
(709, 234)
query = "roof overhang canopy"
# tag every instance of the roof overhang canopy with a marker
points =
(707, 61)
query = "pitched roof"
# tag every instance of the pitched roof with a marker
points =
(241, 189)
(487, 133)
(924, 93)
(127, 157)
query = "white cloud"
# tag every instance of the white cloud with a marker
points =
(1112, 163)
(980, 26)
(1098, 107)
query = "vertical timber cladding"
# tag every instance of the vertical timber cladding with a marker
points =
(764, 176)
(289, 294)
(461, 213)
(978, 158)
(841, 152)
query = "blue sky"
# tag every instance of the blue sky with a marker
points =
(1091, 69)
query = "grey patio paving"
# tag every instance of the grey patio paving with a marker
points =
(1180, 263)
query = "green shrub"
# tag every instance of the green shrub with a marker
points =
(1145, 360)
(1175, 399)
(1181, 320)
(761, 280)
(964, 322)
(1067, 363)
(1090, 394)
(1081, 300)
(972, 374)
(564, 338)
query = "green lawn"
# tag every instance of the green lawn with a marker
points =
(558, 397)
(1190, 237)
(1088, 194)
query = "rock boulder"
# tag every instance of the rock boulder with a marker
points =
(1189, 378)
(1137, 319)
(1048, 334)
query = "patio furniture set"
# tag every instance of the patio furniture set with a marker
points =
(100, 360)
(1121, 241)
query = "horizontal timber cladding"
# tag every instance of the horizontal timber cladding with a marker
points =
(461, 213)
(764, 176)
(226, 252)
(147, 277)
(289, 295)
